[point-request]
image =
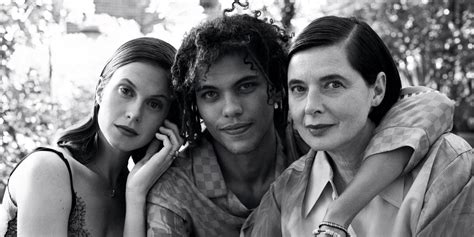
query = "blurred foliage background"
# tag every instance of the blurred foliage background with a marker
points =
(51, 52)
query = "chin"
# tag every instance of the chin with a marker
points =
(318, 144)
(125, 146)
(239, 149)
(122, 147)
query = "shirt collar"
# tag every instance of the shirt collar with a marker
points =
(322, 175)
(208, 174)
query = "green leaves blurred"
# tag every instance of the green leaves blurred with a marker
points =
(432, 41)
(29, 117)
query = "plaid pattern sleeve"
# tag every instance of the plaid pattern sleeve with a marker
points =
(266, 219)
(420, 117)
(165, 214)
(164, 222)
(448, 207)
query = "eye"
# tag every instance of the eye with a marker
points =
(125, 91)
(297, 89)
(155, 105)
(247, 87)
(209, 95)
(334, 85)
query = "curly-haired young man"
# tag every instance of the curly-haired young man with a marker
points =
(231, 73)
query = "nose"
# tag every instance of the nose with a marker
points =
(134, 111)
(314, 103)
(232, 106)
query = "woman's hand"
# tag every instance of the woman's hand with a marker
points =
(145, 173)
(155, 162)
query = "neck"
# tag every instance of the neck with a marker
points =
(250, 174)
(109, 162)
(252, 167)
(347, 159)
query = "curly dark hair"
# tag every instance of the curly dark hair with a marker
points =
(264, 46)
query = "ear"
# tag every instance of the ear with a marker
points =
(99, 90)
(379, 89)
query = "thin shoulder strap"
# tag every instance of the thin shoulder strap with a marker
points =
(66, 162)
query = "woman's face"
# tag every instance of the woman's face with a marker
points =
(329, 101)
(133, 105)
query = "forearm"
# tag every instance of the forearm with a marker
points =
(400, 142)
(379, 171)
(135, 216)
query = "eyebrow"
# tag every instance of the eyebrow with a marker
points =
(157, 96)
(332, 77)
(248, 78)
(129, 82)
(294, 81)
(323, 79)
(240, 81)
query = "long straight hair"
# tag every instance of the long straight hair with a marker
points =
(81, 139)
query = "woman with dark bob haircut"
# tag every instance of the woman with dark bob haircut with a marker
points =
(341, 82)
(366, 53)
(82, 186)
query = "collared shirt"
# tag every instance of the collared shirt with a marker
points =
(373, 220)
(192, 199)
(434, 199)
(294, 208)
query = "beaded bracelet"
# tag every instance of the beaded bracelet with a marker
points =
(331, 233)
(335, 225)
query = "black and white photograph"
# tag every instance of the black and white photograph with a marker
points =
(237, 118)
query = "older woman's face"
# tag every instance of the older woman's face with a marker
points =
(329, 101)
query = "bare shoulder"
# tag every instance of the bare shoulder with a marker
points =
(41, 189)
(43, 174)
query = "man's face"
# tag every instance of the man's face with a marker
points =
(233, 102)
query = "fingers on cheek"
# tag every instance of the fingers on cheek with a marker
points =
(164, 130)
(159, 136)
(169, 135)
(172, 137)
(163, 138)
(169, 124)
(172, 126)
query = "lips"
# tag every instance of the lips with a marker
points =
(127, 131)
(235, 128)
(318, 129)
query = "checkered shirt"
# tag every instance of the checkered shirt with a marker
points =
(416, 120)
(192, 199)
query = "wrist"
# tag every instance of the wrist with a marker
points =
(331, 229)
(339, 215)
(135, 197)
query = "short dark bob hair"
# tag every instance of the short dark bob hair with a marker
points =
(366, 53)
